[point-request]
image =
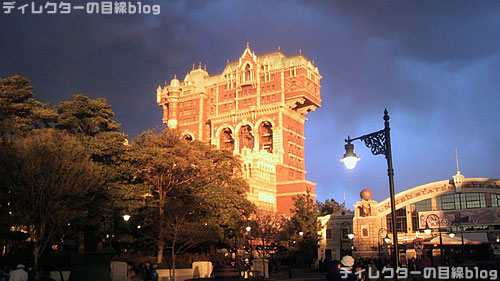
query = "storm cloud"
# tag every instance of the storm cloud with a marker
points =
(432, 64)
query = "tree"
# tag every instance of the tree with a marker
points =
(50, 182)
(201, 178)
(86, 116)
(91, 120)
(305, 219)
(268, 229)
(19, 111)
(329, 207)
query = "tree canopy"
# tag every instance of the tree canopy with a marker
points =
(82, 172)
(305, 219)
(330, 206)
(202, 179)
(50, 182)
(19, 111)
(83, 115)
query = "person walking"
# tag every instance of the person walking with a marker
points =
(19, 274)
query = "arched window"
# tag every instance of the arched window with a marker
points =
(246, 138)
(266, 137)
(226, 139)
(248, 75)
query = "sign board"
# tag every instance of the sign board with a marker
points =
(463, 217)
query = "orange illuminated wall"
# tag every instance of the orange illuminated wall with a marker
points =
(256, 108)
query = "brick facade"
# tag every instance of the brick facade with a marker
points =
(256, 108)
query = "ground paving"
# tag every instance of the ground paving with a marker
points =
(298, 274)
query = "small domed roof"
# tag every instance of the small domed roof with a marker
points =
(175, 83)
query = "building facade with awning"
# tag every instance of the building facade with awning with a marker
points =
(462, 207)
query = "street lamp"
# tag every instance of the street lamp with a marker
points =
(126, 217)
(428, 231)
(350, 235)
(350, 158)
(301, 233)
(248, 229)
(386, 239)
(456, 223)
(380, 143)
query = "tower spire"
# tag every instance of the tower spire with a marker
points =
(458, 179)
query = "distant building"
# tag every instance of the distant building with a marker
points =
(468, 206)
(448, 206)
(255, 108)
(335, 230)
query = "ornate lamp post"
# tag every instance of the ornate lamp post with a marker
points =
(380, 143)
(428, 231)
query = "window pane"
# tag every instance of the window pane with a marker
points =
(401, 225)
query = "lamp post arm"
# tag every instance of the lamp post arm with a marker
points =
(376, 142)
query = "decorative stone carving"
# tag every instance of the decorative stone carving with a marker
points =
(246, 137)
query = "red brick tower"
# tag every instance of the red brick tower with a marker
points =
(256, 108)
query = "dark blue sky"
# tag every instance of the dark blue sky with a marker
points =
(433, 64)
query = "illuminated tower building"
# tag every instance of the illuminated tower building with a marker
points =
(256, 108)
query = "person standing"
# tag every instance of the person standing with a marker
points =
(19, 274)
(150, 273)
(346, 269)
(333, 271)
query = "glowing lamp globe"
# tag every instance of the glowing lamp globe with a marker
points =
(350, 235)
(301, 233)
(126, 217)
(452, 235)
(387, 239)
(427, 231)
(350, 158)
(248, 228)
